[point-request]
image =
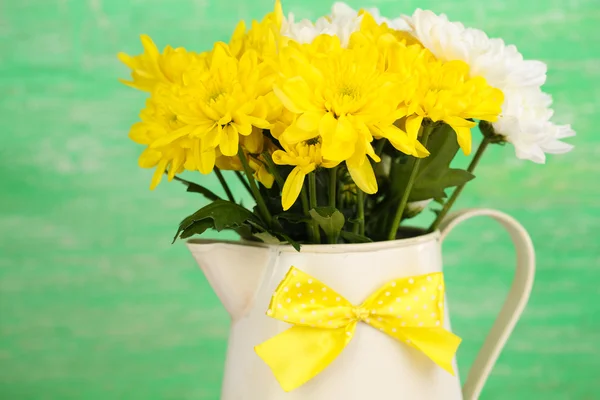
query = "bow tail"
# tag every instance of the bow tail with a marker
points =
(436, 343)
(300, 353)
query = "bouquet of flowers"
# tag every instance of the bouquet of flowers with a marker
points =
(340, 129)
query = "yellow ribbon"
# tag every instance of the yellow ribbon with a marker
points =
(408, 309)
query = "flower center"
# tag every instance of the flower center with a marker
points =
(313, 141)
(348, 90)
(214, 96)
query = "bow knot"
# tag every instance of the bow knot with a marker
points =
(409, 309)
(360, 314)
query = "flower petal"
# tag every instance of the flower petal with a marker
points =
(309, 121)
(420, 150)
(262, 175)
(204, 159)
(149, 158)
(229, 141)
(293, 134)
(254, 142)
(145, 132)
(399, 139)
(295, 93)
(463, 135)
(176, 164)
(413, 124)
(363, 175)
(292, 188)
(149, 47)
(259, 122)
(327, 125)
(207, 159)
(242, 123)
(280, 157)
(345, 130)
(173, 136)
(158, 173)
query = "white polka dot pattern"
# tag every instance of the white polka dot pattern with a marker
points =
(300, 291)
(408, 309)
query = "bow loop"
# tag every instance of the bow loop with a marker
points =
(409, 309)
(410, 302)
(303, 300)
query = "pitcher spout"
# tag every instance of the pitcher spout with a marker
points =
(233, 270)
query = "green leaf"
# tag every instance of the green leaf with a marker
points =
(277, 238)
(330, 219)
(245, 232)
(433, 186)
(220, 214)
(456, 177)
(195, 188)
(293, 218)
(351, 237)
(196, 229)
(435, 174)
(272, 236)
(290, 241)
(266, 237)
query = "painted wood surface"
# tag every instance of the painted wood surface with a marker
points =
(96, 304)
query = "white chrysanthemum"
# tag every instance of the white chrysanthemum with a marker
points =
(399, 24)
(502, 66)
(342, 22)
(525, 113)
(527, 118)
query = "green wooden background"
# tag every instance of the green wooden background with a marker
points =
(96, 304)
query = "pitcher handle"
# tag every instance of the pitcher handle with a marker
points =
(514, 304)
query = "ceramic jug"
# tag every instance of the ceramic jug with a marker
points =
(373, 365)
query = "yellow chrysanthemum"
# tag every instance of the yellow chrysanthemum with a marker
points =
(152, 67)
(338, 95)
(157, 120)
(254, 145)
(217, 104)
(370, 33)
(446, 93)
(263, 37)
(286, 118)
(325, 104)
(440, 91)
(306, 157)
(200, 108)
(257, 165)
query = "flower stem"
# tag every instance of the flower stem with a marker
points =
(260, 202)
(332, 186)
(312, 192)
(411, 180)
(379, 146)
(243, 180)
(224, 184)
(309, 224)
(361, 211)
(448, 205)
(273, 169)
(355, 224)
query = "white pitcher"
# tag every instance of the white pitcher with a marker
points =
(373, 365)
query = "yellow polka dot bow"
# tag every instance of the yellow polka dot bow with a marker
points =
(408, 309)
